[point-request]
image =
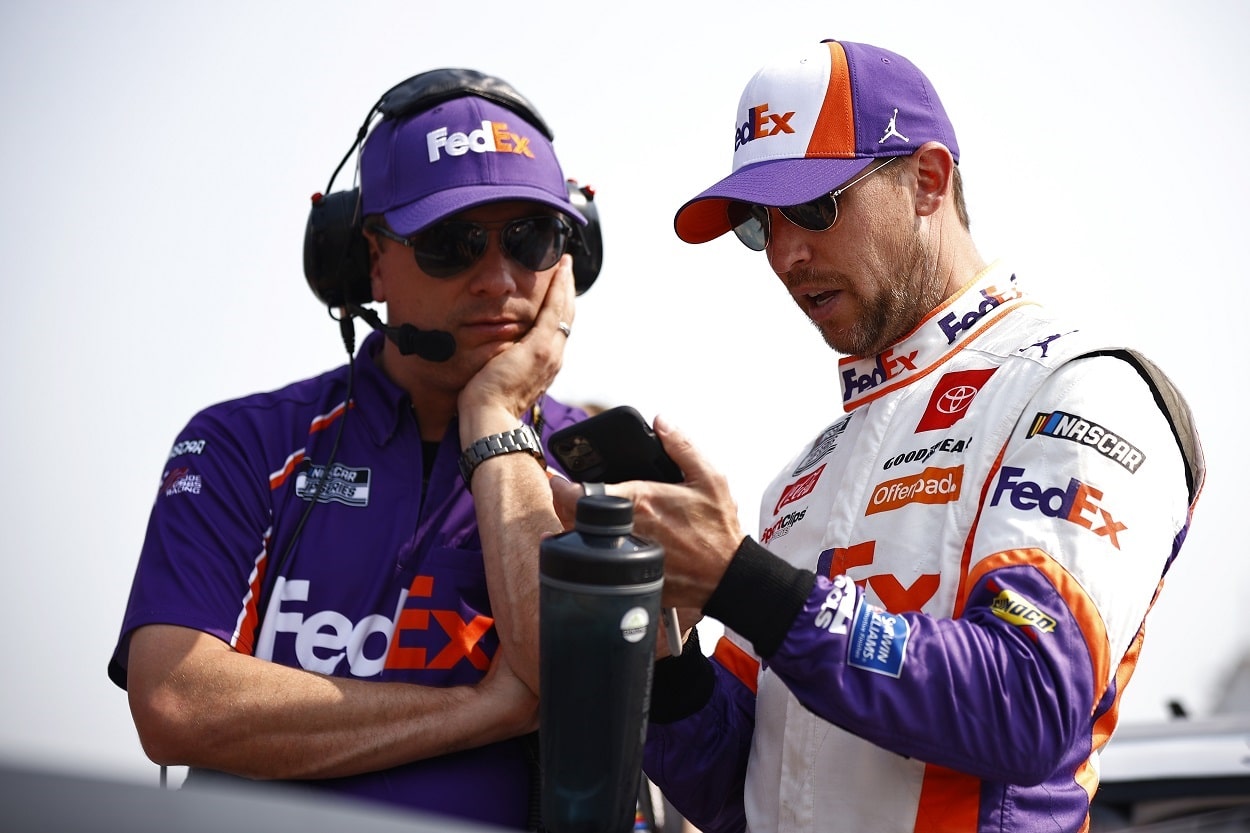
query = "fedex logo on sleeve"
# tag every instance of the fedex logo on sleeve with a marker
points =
(1077, 503)
(491, 137)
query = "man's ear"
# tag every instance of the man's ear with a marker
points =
(375, 258)
(934, 177)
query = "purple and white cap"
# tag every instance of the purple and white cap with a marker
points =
(809, 121)
(459, 154)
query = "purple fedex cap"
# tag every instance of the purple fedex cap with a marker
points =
(458, 154)
(810, 121)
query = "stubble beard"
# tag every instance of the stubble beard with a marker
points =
(896, 311)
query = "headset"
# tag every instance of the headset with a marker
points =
(336, 256)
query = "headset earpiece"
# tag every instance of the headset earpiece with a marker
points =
(587, 245)
(336, 255)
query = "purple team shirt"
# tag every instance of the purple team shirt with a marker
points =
(386, 580)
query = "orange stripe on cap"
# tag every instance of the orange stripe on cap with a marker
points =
(834, 133)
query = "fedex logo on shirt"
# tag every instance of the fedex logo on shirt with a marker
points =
(953, 323)
(888, 366)
(416, 637)
(892, 593)
(760, 123)
(491, 137)
(1077, 503)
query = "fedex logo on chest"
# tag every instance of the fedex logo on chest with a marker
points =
(421, 635)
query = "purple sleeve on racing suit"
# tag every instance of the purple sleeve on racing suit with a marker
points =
(976, 677)
(699, 738)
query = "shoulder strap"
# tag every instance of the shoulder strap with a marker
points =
(1173, 406)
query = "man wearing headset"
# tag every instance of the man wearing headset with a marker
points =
(947, 593)
(339, 582)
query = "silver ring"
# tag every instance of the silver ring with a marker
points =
(565, 328)
(593, 489)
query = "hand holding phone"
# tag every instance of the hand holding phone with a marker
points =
(611, 447)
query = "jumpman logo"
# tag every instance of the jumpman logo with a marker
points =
(1044, 344)
(892, 129)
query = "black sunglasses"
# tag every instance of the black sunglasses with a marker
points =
(750, 221)
(447, 248)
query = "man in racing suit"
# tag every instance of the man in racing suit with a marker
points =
(949, 587)
(321, 597)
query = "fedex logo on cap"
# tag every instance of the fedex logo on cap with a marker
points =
(761, 123)
(491, 137)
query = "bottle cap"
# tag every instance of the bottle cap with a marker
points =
(605, 515)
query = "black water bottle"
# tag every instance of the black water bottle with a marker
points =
(599, 614)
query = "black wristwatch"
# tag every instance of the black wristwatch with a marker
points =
(518, 439)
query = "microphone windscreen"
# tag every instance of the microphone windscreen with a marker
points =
(431, 345)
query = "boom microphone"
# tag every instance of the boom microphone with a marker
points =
(431, 345)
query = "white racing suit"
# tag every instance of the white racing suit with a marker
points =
(953, 592)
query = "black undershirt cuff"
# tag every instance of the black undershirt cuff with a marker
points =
(681, 685)
(759, 596)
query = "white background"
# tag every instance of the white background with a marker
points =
(159, 158)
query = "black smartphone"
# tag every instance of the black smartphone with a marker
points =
(611, 447)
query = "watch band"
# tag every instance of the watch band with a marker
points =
(507, 442)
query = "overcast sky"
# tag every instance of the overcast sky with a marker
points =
(160, 157)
